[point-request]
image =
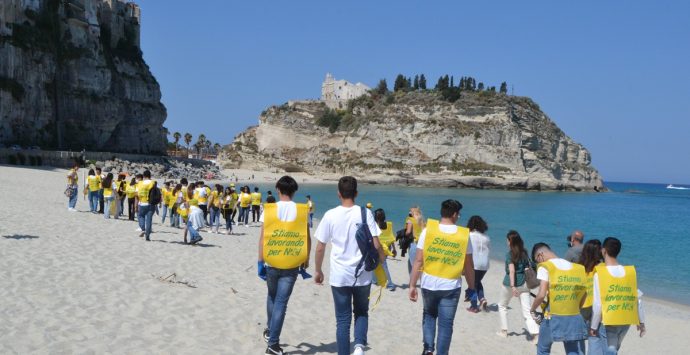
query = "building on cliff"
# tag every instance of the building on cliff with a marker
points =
(335, 93)
(72, 76)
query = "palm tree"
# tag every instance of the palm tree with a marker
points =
(197, 146)
(201, 140)
(208, 146)
(177, 137)
(187, 140)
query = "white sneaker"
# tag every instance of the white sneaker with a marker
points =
(359, 349)
(71, 209)
(139, 230)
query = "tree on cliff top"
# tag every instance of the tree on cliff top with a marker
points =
(504, 88)
(382, 87)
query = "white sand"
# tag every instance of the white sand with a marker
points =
(88, 285)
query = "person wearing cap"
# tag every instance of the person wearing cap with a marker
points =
(369, 205)
(575, 240)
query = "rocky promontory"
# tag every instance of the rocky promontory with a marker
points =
(480, 140)
(72, 77)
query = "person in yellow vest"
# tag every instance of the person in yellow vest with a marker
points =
(564, 283)
(101, 176)
(387, 240)
(146, 210)
(165, 194)
(214, 207)
(120, 196)
(234, 203)
(173, 205)
(109, 192)
(94, 185)
(617, 301)
(413, 227)
(256, 204)
(284, 247)
(590, 257)
(131, 193)
(195, 221)
(201, 195)
(310, 204)
(72, 190)
(227, 208)
(444, 252)
(245, 202)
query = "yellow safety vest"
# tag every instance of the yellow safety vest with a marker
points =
(444, 253)
(618, 296)
(387, 238)
(143, 191)
(285, 243)
(131, 190)
(589, 300)
(94, 182)
(182, 210)
(165, 194)
(108, 190)
(256, 198)
(566, 289)
(415, 228)
(245, 199)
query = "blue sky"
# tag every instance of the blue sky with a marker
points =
(615, 76)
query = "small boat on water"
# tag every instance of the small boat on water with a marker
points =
(670, 186)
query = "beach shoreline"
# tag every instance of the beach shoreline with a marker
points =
(76, 282)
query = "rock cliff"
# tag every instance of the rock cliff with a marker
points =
(482, 140)
(72, 76)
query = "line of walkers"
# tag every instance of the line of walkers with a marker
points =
(598, 301)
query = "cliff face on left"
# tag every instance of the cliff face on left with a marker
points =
(72, 76)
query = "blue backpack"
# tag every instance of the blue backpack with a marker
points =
(370, 256)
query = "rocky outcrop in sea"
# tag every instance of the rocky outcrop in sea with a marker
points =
(72, 77)
(481, 140)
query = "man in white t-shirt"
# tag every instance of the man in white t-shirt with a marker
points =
(280, 281)
(442, 265)
(350, 292)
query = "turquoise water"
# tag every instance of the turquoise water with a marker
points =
(651, 221)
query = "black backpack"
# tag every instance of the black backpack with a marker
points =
(154, 194)
(365, 241)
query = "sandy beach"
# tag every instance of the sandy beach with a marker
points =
(73, 282)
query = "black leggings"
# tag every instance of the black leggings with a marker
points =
(255, 212)
(130, 207)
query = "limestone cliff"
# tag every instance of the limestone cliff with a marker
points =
(482, 140)
(72, 76)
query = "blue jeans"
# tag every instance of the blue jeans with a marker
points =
(614, 337)
(145, 218)
(345, 299)
(478, 276)
(174, 218)
(412, 253)
(441, 306)
(165, 213)
(73, 198)
(106, 209)
(93, 200)
(228, 221)
(244, 215)
(193, 233)
(215, 218)
(279, 283)
(311, 220)
(570, 330)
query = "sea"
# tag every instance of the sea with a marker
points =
(651, 221)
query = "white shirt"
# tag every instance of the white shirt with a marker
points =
(615, 271)
(338, 226)
(561, 264)
(196, 217)
(287, 211)
(434, 283)
(481, 244)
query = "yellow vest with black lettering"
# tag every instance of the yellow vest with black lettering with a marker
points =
(444, 253)
(143, 189)
(416, 230)
(386, 238)
(618, 296)
(256, 198)
(94, 182)
(285, 243)
(108, 190)
(131, 190)
(566, 289)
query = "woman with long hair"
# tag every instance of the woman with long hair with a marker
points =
(214, 207)
(109, 190)
(245, 200)
(387, 240)
(131, 192)
(414, 224)
(227, 208)
(174, 202)
(480, 256)
(514, 285)
(590, 258)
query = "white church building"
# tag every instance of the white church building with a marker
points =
(336, 92)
